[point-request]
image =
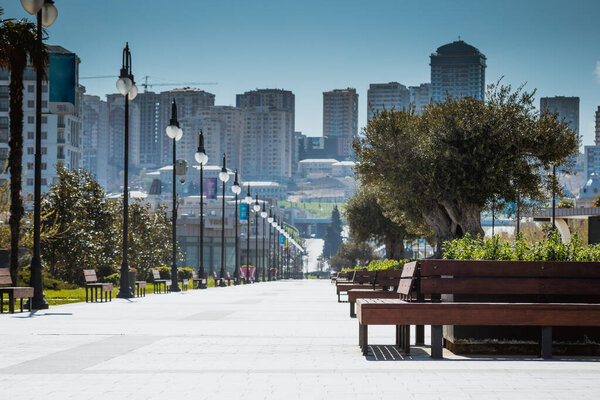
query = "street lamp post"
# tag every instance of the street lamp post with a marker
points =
(202, 159)
(224, 177)
(126, 86)
(256, 211)
(46, 14)
(237, 190)
(263, 215)
(248, 201)
(270, 226)
(174, 132)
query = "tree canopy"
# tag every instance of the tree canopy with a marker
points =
(333, 234)
(442, 167)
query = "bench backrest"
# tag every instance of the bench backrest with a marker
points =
(509, 277)
(407, 279)
(5, 278)
(364, 276)
(90, 276)
(389, 278)
(156, 274)
(228, 276)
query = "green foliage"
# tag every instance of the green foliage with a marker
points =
(596, 201)
(333, 234)
(550, 249)
(184, 273)
(441, 168)
(352, 253)
(380, 265)
(566, 204)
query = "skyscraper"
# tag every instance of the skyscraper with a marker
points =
(277, 98)
(151, 133)
(95, 137)
(61, 118)
(566, 107)
(340, 118)
(457, 70)
(189, 100)
(386, 96)
(420, 96)
(266, 143)
(597, 130)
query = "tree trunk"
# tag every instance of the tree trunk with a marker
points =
(15, 162)
(451, 219)
(394, 248)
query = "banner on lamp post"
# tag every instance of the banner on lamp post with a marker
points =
(244, 212)
(210, 188)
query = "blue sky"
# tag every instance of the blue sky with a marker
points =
(314, 46)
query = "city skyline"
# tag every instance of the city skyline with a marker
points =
(324, 52)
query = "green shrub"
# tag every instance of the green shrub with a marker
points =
(379, 265)
(550, 249)
(184, 273)
(49, 282)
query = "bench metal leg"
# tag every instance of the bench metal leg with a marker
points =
(339, 300)
(437, 341)
(363, 338)
(1, 303)
(352, 311)
(399, 336)
(11, 303)
(420, 334)
(21, 299)
(406, 339)
(546, 342)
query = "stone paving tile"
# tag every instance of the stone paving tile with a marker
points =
(278, 340)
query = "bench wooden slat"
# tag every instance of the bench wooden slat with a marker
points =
(510, 286)
(550, 269)
(391, 312)
(5, 278)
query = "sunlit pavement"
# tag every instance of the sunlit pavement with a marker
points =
(275, 340)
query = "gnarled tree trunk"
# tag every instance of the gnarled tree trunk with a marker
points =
(394, 248)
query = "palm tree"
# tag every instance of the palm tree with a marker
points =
(18, 47)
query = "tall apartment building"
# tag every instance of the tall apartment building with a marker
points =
(151, 132)
(566, 107)
(277, 98)
(591, 163)
(392, 95)
(95, 137)
(266, 144)
(420, 96)
(597, 127)
(222, 128)
(340, 118)
(61, 119)
(457, 70)
(116, 137)
(189, 101)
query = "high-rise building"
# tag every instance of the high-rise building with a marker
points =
(95, 137)
(597, 130)
(566, 107)
(151, 131)
(116, 137)
(420, 96)
(188, 100)
(277, 98)
(61, 118)
(340, 118)
(457, 70)
(386, 96)
(222, 128)
(266, 143)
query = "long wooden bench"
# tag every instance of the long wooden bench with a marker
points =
(556, 289)
(387, 280)
(92, 286)
(197, 282)
(13, 292)
(360, 280)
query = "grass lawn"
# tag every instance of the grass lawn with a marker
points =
(316, 210)
(66, 296)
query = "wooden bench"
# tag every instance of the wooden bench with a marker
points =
(159, 283)
(360, 280)
(387, 280)
(219, 281)
(13, 292)
(229, 279)
(551, 284)
(140, 288)
(92, 286)
(198, 283)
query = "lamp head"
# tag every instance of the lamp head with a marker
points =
(236, 186)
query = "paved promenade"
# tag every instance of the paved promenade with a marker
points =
(280, 340)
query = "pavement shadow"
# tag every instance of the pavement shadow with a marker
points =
(392, 353)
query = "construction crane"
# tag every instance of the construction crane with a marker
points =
(146, 85)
